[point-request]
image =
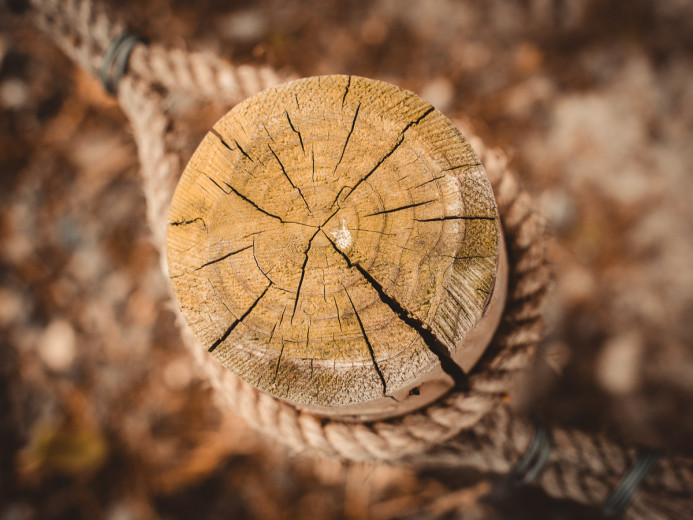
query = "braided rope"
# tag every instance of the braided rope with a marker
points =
(471, 429)
(200, 74)
(150, 123)
(84, 30)
(582, 467)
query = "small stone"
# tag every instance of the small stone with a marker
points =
(57, 346)
(12, 306)
(178, 373)
(439, 93)
(245, 26)
(618, 364)
(13, 94)
(374, 30)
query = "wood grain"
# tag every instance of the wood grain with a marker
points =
(335, 242)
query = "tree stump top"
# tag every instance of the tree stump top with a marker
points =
(335, 242)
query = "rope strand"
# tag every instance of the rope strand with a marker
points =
(85, 30)
(200, 74)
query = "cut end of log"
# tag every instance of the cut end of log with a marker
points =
(334, 241)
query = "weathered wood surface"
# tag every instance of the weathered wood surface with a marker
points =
(335, 242)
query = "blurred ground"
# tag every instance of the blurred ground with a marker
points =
(102, 412)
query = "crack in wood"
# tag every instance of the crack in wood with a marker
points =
(300, 138)
(339, 317)
(312, 159)
(281, 319)
(400, 140)
(267, 132)
(216, 291)
(303, 273)
(329, 218)
(346, 91)
(216, 183)
(253, 204)
(417, 120)
(469, 257)
(429, 338)
(412, 205)
(266, 275)
(224, 257)
(281, 165)
(469, 165)
(244, 152)
(368, 343)
(218, 136)
(428, 181)
(376, 231)
(257, 207)
(351, 131)
(398, 143)
(279, 360)
(186, 222)
(324, 287)
(271, 335)
(438, 219)
(239, 320)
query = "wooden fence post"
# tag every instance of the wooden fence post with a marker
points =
(334, 241)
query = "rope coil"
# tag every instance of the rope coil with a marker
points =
(471, 428)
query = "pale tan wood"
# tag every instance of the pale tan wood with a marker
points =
(335, 242)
